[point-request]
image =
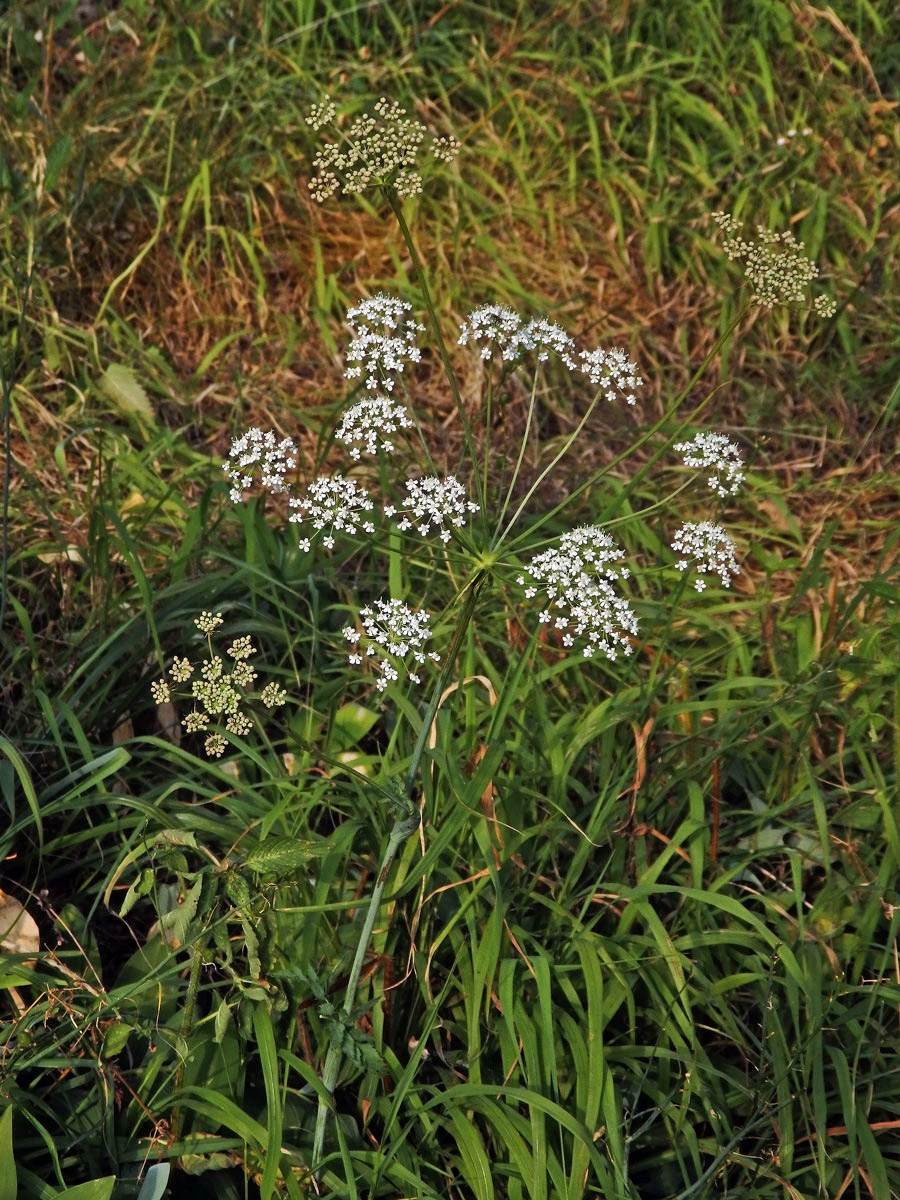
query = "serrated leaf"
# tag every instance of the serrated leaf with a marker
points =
(281, 856)
(120, 385)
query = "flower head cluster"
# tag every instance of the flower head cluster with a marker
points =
(432, 501)
(778, 270)
(255, 449)
(384, 340)
(579, 577)
(706, 547)
(321, 114)
(614, 371)
(333, 503)
(490, 324)
(371, 424)
(393, 631)
(720, 455)
(543, 336)
(496, 325)
(381, 147)
(218, 693)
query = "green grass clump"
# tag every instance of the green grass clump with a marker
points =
(541, 926)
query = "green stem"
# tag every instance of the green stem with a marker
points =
(645, 437)
(442, 348)
(404, 827)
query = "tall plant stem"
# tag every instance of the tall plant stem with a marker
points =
(405, 825)
(435, 324)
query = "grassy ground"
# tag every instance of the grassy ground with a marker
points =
(645, 944)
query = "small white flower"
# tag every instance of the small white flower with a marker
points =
(181, 669)
(380, 312)
(543, 336)
(614, 371)
(384, 340)
(445, 149)
(433, 501)
(714, 450)
(490, 324)
(321, 114)
(706, 547)
(332, 503)
(579, 577)
(215, 745)
(255, 448)
(241, 648)
(208, 622)
(825, 306)
(393, 631)
(370, 425)
(238, 723)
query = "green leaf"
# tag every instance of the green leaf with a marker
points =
(8, 1183)
(96, 1189)
(154, 1182)
(57, 156)
(120, 385)
(223, 1019)
(282, 856)
(116, 1039)
(352, 722)
(142, 886)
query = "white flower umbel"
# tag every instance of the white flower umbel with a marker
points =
(371, 424)
(384, 341)
(542, 335)
(490, 325)
(378, 313)
(775, 265)
(719, 454)
(579, 577)
(392, 631)
(433, 501)
(217, 694)
(377, 148)
(255, 449)
(705, 547)
(332, 503)
(614, 371)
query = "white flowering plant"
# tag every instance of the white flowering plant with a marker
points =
(478, 526)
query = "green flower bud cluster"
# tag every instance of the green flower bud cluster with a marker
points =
(218, 693)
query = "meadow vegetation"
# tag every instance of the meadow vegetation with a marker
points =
(585, 883)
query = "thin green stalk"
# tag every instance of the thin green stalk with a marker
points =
(486, 453)
(667, 415)
(435, 324)
(518, 467)
(404, 827)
